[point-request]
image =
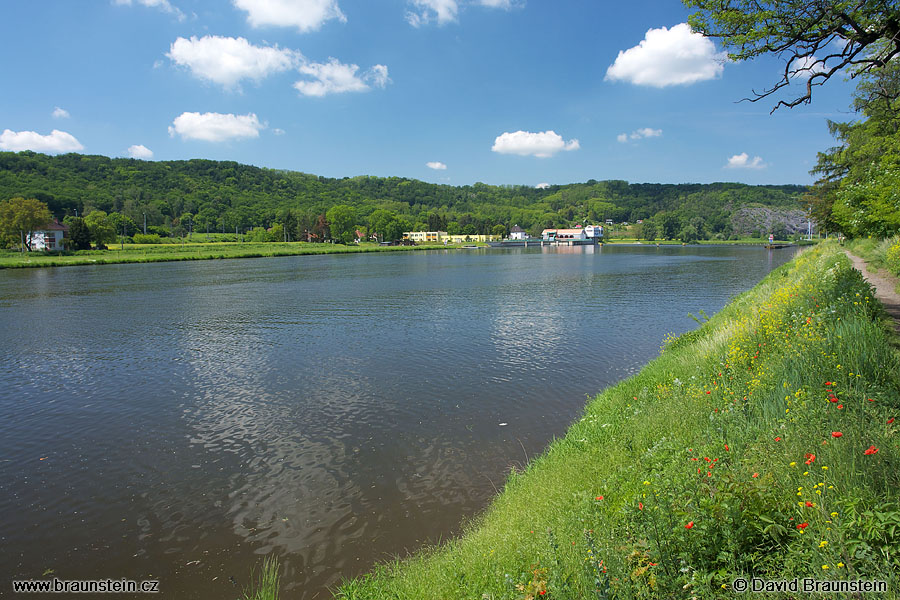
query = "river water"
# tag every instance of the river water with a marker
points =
(178, 421)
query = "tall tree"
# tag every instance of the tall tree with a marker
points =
(342, 220)
(816, 38)
(102, 231)
(79, 234)
(21, 217)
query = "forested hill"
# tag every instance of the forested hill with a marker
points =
(226, 195)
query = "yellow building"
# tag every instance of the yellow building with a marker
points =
(442, 237)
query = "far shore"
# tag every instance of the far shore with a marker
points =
(144, 253)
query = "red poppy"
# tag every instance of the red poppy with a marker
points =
(891, 420)
(871, 399)
(833, 399)
(706, 458)
(840, 406)
(778, 439)
(809, 504)
(810, 458)
(836, 434)
(641, 505)
(871, 450)
(689, 525)
(708, 392)
(542, 592)
(827, 383)
(802, 525)
(727, 449)
(695, 458)
(756, 474)
(651, 564)
(709, 473)
(599, 498)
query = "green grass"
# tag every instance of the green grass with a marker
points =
(738, 242)
(873, 250)
(137, 253)
(699, 469)
(266, 582)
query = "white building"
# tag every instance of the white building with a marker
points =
(593, 231)
(49, 237)
(517, 233)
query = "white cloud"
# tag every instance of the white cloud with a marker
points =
(335, 77)
(60, 113)
(805, 67)
(638, 134)
(675, 56)
(140, 151)
(278, 131)
(426, 11)
(436, 165)
(507, 4)
(542, 186)
(305, 15)
(526, 143)
(215, 127)
(743, 161)
(58, 141)
(226, 60)
(163, 5)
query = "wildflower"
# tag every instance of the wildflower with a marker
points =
(803, 525)
(840, 406)
(778, 439)
(823, 543)
(756, 475)
(891, 420)
(652, 564)
(599, 498)
(871, 399)
(641, 505)
(834, 514)
(689, 525)
(824, 567)
(840, 564)
(727, 449)
(810, 458)
(708, 392)
(870, 451)
(836, 434)
(809, 504)
(792, 464)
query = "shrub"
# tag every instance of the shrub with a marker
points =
(150, 238)
(892, 258)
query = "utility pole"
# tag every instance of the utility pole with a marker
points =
(145, 223)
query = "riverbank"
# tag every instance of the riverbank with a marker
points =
(142, 253)
(761, 444)
(738, 242)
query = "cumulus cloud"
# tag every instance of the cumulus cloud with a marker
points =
(58, 141)
(743, 161)
(543, 186)
(278, 131)
(140, 151)
(675, 56)
(335, 77)
(305, 15)
(428, 11)
(436, 165)
(638, 134)
(526, 143)
(163, 5)
(60, 113)
(507, 4)
(226, 60)
(805, 67)
(215, 127)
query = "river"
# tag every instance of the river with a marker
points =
(178, 421)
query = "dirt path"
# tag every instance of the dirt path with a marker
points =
(885, 285)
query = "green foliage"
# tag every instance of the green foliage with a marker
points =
(805, 34)
(101, 227)
(223, 196)
(20, 217)
(79, 234)
(892, 258)
(140, 238)
(342, 222)
(266, 584)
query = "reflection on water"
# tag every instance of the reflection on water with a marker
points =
(176, 421)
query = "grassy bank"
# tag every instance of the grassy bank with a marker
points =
(738, 242)
(137, 253)
(761, 444)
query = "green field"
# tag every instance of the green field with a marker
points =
(761, 444)
(135, 253)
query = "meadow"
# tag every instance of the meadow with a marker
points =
(143, 253)
(762, 444)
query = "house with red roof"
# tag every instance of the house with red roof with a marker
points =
(48, 237)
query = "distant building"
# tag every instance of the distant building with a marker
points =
(593, 231)
(517, 233)
(441, 237)
(549, 235)
(425, 236)
(49, 237)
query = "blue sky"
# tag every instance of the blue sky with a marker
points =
(447, 91)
